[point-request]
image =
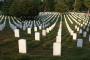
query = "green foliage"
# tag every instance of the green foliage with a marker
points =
(29, 7)
(60, 6)
(1, 3)
(20, 8)
(77, 5)
(69, 3)
(87, 3)
(51, 4)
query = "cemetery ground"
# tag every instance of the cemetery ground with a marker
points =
(43, 49)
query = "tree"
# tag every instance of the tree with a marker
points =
(1, 4)
(27, 8)
(6, 5)
(69, 4)
(77, 5)
(61, 6)
(51, 5)
(20, 8)
(87, 4)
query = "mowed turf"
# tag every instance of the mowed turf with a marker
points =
(41, 50)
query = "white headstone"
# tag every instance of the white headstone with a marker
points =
(50, 28)
(56, 49)
(87, 29)
(29, 30)
(60, 31)
(44, 32)
(37, 36)
(74, 36)
(80, 31)
(22, 46)
(16, 32)
(58, 39)
(71, 32)
(35, 28)
(84, 34)
(85, 24)
(77, 28)
(40, 27)
(81, 25)
(79, 43)
(47, 30)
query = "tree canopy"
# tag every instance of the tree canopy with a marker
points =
(32, 7)
(87, 3)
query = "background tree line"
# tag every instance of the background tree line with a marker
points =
(32, 7)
